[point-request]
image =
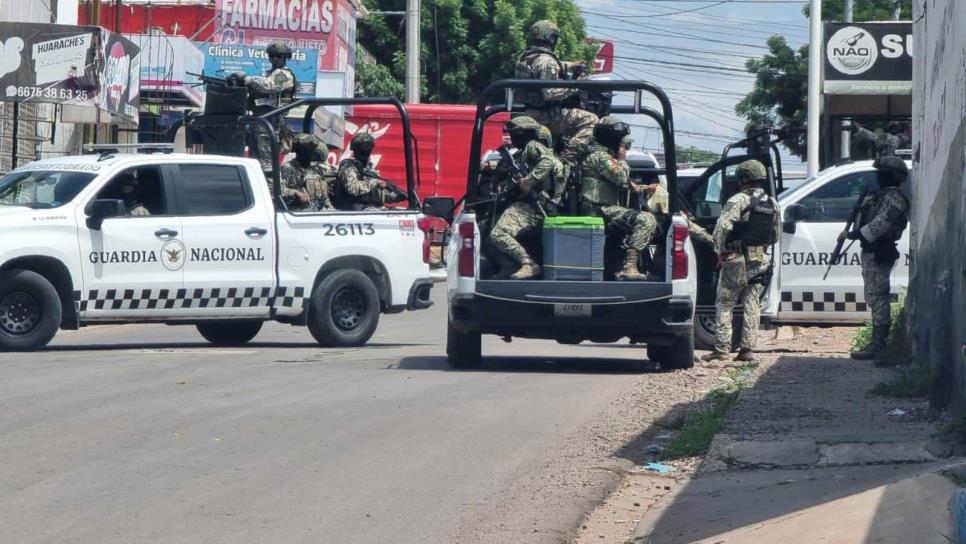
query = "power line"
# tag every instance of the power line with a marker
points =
(691, 10)
(673, 34)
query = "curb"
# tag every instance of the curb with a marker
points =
(957, 507)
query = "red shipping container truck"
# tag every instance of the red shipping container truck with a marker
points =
(442, 132)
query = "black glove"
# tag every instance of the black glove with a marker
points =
(238, 76)
(854, 235)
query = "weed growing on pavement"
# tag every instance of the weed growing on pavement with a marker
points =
(700, 426)
(897, 349)
(908, 383)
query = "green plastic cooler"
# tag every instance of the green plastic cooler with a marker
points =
(573, 248)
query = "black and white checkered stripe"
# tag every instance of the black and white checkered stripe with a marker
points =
(167, 299)
(810, 301)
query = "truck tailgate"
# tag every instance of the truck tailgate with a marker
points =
(573, 292)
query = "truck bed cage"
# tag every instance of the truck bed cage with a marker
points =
(265, 125)
(507, 88)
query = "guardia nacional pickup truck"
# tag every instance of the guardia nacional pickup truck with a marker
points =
(218, 250)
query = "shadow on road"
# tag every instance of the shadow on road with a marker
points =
(164, 346)
(550, 365)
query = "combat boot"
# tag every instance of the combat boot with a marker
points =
(876, 347)
(528, 270)
(507, 267)
(745, 356)
(630, 272)
(715, 356)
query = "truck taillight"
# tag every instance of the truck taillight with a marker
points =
(679, 257)
(467, 254)
(426, 225)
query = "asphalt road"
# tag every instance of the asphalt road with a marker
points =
(144, 433)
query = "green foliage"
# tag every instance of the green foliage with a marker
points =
(780, 94)
(699, 427)
(909, 383)
(467, 44)
(897, 346)
(375, 79)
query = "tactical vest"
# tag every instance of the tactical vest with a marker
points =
(533, 98)
(341, 198)
(868, 212)
(759, 227)
(594, 190)
(262, 103)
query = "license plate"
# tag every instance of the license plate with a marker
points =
(572, 310)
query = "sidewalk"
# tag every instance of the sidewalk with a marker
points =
(808, 455)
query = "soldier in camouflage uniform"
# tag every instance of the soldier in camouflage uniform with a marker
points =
(128, 186)
(873, 144)
(881, 221)
(304, 186)
(269, 92)
(604, 175)
(357, 188)
(748, 224)
(554, 108)
(561, 172)
(531, 200)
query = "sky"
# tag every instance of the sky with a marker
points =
(649, 34)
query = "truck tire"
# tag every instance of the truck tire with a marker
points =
(30, 311)
(344, 310)
(229, 333)
(704, 331)
(464, 350)
(679, 355)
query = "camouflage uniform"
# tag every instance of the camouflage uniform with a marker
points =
(547, 105)
(884, 217)
(360, 192)
(136, 209)
(740, 264)
(872, 144)
(603, 178)
(309, 180)
(698, 232)
(277, 89)
(522, 217)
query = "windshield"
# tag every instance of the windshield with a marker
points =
(42, 188)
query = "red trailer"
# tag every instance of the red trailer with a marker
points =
(442, 133)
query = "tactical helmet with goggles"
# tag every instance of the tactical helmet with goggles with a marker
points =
(893, 167)
(610, 132)
(751, 171)
(544, 33)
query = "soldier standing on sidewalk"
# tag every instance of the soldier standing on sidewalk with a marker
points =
(881, 221)
(748, 225)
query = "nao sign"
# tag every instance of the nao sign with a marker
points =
(868, 58)
(327, 26)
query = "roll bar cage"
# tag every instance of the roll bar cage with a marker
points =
(774, 155)
(264, 122)
(507, 87)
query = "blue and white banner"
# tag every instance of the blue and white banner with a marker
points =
(224, 59)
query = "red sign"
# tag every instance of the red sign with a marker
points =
(604, 60)
(193, 21)
(326, 25)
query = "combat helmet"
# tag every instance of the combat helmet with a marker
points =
(362, 142)
(279, 48)
(545, 137)
(751, 170)
(611, 131)
(893, 165)
(523, 124)
(305, 143)
(544, 33)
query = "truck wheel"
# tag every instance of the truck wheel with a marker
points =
(229, 333)
(30, 311)
(679, 355)
(344, 309)
(704, 331)
(463, 349)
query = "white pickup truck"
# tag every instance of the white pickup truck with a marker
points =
(213, 252)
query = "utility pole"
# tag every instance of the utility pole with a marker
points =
(846, 137)
(412, 52)
(814, 84)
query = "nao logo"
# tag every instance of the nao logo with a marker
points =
(852, 51)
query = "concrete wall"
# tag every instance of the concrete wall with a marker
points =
(938, 284)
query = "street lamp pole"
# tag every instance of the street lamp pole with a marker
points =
(814, 85)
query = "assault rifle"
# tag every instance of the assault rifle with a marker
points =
(518, 172)
(229, 81)
(397, 193)
(838, 252)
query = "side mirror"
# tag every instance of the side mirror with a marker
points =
(440, 206)
(793, 214)
(99, 210)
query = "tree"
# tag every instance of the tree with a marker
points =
(693, 154)
(780, 93)
(466, 44)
